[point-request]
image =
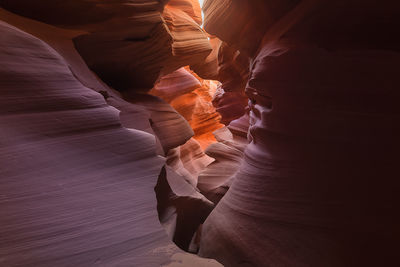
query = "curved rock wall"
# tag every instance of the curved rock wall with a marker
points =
(138, 41)
(69, 155)
(304, 174)
(191, 97)
(230, 99)
(65, 163)
(318, 185)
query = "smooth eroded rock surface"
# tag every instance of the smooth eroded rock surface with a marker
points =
(77, 188)
(318, 184)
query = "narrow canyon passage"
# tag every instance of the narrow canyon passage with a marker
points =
(185, 133)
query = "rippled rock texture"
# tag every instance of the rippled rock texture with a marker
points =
(66, 162)
(191, 96)
(138, 41)
(230, 99)
(318, 185)
(82, 160)
(211, 171)
(112, 142)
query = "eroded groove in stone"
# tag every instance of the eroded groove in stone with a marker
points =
(135, 237)
(318, 184)
(269, 140)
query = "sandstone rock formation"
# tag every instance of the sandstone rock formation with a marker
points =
(191, 97)
(89, 180)
(208, 69)
(139, 41)
(318, 184)
(210, 173)
(66, 161)
(214, 180)
(111, 149)
(233, 70)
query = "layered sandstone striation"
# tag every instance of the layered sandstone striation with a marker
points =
(82, 158)
(138, 41)
(318, 184)
(230, 99)
(191, 96)
(66, 163)
(117, 139)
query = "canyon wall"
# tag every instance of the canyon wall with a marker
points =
(318, 185)
(114, 143)
(84, 152)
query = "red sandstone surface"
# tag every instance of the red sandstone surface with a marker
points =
(131, 136)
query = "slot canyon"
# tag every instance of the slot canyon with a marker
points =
(187, 133)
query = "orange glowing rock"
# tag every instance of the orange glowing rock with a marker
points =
(191, 97)
(190, 7)
(190, 44)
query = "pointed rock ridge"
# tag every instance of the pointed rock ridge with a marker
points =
(190, 7)
(208, 69)
(139, 41)
(214, 181)
(68, 166)
(121, 31)
(135, 115)
(182, 90)
(242, 23)
(230, 105)
(181, 208)
(176, 84)
(318, 185)
(188, 161)
(164, 120)
(230, 99)
(190, 43)
(133, 58)
(132, 116)
(191, 96)
(233, 68)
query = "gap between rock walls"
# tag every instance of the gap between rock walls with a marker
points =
(199, 133)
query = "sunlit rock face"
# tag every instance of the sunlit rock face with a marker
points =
(191, 97)
(231, 103)
(190, 44)
(318, 185)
